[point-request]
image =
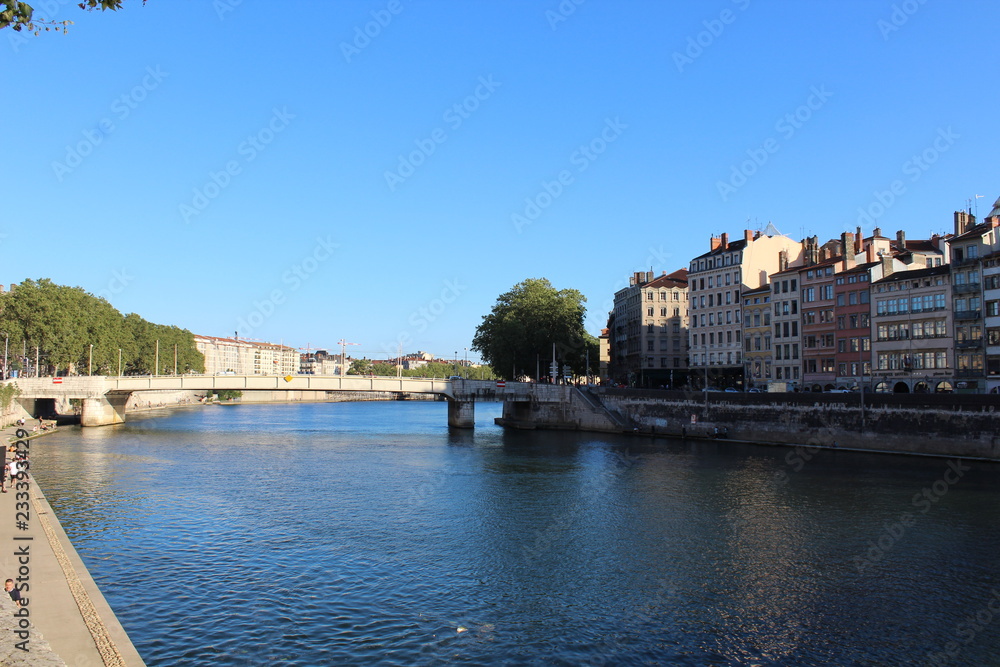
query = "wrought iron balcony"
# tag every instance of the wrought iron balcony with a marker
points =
(968, 314)
(969, 344)
(966, 288)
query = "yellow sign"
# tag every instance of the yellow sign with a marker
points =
(288, 378)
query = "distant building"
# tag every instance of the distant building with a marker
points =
(319, 362)
(244, 357)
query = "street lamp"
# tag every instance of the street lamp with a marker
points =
(119, 362)
(90, 361)
(466, 374)
(6, 340)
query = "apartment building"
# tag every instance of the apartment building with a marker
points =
(716, 281)
(757, 356)
(648, 331)
(971, 243)
(244, 357)
(786, 320)
(852, 312)
(912, 322)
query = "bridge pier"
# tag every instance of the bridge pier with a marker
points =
(104, 411)
(461, 414)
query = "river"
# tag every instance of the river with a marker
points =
(370, 534)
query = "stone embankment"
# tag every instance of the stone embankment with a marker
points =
(930, 424)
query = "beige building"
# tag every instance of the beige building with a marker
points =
(757, 356)
(648, 331)
(716, 282)
(244, 357)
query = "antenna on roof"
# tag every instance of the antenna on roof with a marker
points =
(978, 197)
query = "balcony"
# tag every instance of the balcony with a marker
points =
(969, 373)
(968, 314)
(966, 288)
(964, 261)
(968, 344)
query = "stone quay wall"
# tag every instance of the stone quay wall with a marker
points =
(931, 424)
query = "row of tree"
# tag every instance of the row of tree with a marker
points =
(70, 330)
(434, 369)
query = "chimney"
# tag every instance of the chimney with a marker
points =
(877, 231)
(847, 250)
(747, 236)
(964, 222)
(782, 260)
(901, 240)
(870, 253)
(716, 243)
(886, 265)
(859, 242)
(725, 241)
(756, 235)
(649, 276)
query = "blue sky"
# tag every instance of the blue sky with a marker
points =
(219, 167)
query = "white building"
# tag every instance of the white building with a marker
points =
(244, 357)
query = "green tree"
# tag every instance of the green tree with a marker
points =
(21, 15)
(360, 367)
(75, 331)
(525, 322)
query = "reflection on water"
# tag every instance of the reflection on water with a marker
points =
(368, 533)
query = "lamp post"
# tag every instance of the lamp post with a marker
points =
(466, 372)
(6, 340)
(156, 359)
(119, 362)
(456, 362)
(90, 361)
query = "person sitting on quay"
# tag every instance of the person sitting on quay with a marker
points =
(14, 592)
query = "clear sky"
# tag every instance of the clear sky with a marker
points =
(271, 168)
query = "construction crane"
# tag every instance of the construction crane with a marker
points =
(343, 355)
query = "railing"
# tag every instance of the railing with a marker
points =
(966, 288)
(968, 344)
(968, 314)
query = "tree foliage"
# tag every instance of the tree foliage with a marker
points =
(64, 322)
(518, 334)
(21, 15)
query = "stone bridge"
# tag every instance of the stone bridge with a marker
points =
(103, 398)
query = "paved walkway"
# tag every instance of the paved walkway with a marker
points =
(68, 622)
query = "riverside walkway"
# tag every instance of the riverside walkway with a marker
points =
(68, 620)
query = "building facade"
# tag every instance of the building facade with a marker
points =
(648, 331)
(757, 356)
(716, 281)
(234, 356)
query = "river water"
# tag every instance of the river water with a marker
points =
(370, 534)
